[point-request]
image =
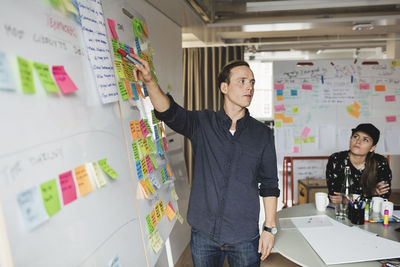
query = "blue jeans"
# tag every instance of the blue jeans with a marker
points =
(207, 252)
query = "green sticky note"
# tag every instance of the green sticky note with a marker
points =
(162, 176)
(107, 168)
(149, 224)
(115, 48)
(311, 139)
(349, 108)
(153, 117)
(297, 140)
(50, 197)
(153, 161)
(146, 122)
(135, 151)
(44, 75)
(26, 75)
(278, 124)
(151, 144)
(142, 147)
(122, 90)
(295, 110)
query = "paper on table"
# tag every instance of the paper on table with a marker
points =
(31, 206)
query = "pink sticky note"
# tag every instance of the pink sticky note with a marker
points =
(165, 143)
(391, 118)
(296, 149)
(390, 98)
(364, 86)
(149, 165)
(279, 86)
(63, 81)
(279, 108)
(111, 26)
(306, 86)
(68, 188)
(131, 50)
(305, 131)
(143, 128)
(170, 205)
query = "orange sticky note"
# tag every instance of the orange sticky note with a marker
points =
(153, 218)
(279, 116)
(287, 120)
(356, 106)
(279, 97)
(169, 170)
(355, 113)
(143, 187)
(128, 88)
(380, 88)
(169, 211)
(82, 179)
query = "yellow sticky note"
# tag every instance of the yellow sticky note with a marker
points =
(179, 217)
(155, 241)
(26, 75)
(45, 77)
(311, 139)
(174, 194)
(278, 124)
(82, 179)
(287, 120)
(158, 212)
(97, 175)
(144, 166)
(148, 185)
(70, 7)
(395, 63)
(295, 110)
(349, 108)
(118, 68)
(297, 140)
(161, 205)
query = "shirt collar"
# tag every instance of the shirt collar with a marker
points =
(227, 122)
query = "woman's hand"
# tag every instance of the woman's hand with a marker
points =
(335, 199)
(381, 188)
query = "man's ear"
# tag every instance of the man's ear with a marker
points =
(224, 87)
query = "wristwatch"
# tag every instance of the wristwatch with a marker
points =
(272, 230)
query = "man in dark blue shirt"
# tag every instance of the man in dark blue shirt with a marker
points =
(234, 153)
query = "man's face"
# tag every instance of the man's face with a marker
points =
(240, 90)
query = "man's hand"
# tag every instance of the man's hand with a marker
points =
(141, 72)
(265, 244)
(381, 188)
(335, 199)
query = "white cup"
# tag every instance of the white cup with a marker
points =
(321, 201)
(376, 204)
(387, 205)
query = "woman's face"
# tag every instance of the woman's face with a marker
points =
(361, 143)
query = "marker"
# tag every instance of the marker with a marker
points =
(124, 54)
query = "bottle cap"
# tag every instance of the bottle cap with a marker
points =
(386, 212)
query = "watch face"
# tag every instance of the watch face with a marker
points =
(274, 230)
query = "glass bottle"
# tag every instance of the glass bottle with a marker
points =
(345, 194)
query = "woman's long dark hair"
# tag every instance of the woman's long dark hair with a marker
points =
(368, 177)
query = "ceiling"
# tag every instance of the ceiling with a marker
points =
(277, 25)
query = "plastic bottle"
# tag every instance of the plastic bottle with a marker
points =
(366, 213)
(386, 218)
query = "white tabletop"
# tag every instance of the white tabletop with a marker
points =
(291, 243)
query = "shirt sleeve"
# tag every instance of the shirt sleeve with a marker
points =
(384, 173)
(268, 174)
(178, 119)
(332, 178)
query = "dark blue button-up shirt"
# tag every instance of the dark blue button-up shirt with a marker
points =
(229, 171)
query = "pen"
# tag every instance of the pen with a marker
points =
(124, 54)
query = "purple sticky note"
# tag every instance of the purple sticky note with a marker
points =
(63, 81)
(68, 188)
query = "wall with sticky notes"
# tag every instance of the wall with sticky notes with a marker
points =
(316, 105)
(70, 190)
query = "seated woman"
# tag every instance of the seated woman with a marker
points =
(370, 171)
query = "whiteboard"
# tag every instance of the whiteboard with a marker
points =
(46, 134)
(316, 106)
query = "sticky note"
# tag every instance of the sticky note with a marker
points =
(395, 63)
(153, 117)
(134, 91)
(154, 181)
(163, 179)
(26, 75)
(279, 86)
(70, 7)
(149, 164)
(364, 86)
(287, 120)
(111, 27)
(174, 194)
(143, 188)
(146, 122)
(50, 197)
(279, 108)
(68, 188)
(143, 128)
(279, 116)
(43, 72)
(155, 241)
(139, 170)
(135, 150)
(144, 166)
(151, 144)
(306, 86)
(167, 166)
(297, 140)
(349, 108)
(311, 139)
(95, 172)
(118, 68)
(122, 90)
(153, 217)
(148, 185)
(146, 146)
(279, 92)
(391, 118)
(355, 113)
(127, 86)
(158, 212)
(279, 97)
(164, 140)
(169, 210)
(295, 110)
(142, 148)
(296, 149)
(278, 124)
(356, 105)
(305, 131)
(82, 179)
(30, 204)
(6, 80)
(153, 161)
(390, 98)
(149, 224)
(293, 92)
(179, 217)
(161, 205)
(134, 126)
(107, 168)
(63, 81)
(380, 88)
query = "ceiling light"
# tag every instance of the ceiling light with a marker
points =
(363, 26)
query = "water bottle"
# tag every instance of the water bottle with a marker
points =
(345, 194)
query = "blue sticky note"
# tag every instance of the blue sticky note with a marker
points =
(31, 207)
(126, 48)
(134, 91)
(156, 133)
(293, 92)
(279, 92)
(139, 170)
(145, 90)
(6, 81)
(159, 148)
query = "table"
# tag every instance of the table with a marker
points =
(291, 243)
